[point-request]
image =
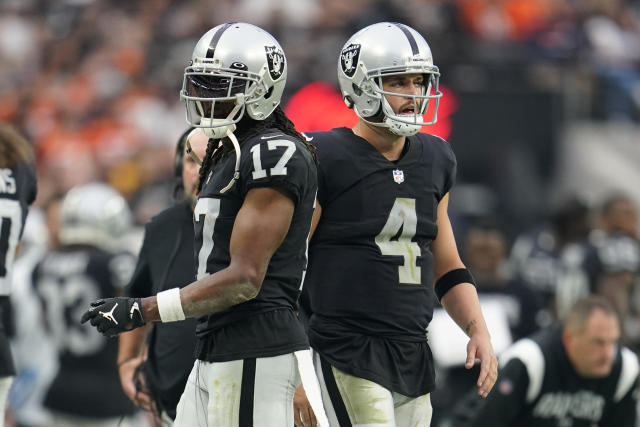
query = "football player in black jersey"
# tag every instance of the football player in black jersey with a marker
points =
(383, 238)
(18, 188)
(87, 265)
(252, 219)
(156, 379)
(575, 374)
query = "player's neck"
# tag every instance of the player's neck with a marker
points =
(387, 143)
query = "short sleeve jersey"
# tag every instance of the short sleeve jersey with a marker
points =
(66, 281)
(266, 325)
(18, 187)
(370, 268)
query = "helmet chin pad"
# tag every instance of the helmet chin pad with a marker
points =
(400, 128)
(216, 128)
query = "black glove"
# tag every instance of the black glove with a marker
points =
(112, 316)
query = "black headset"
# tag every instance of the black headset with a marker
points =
(179, 158)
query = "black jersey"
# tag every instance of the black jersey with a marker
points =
(166, 261)
(370, 273)
(66, 281)
(266, 325)
(538, 387)
(17, 191)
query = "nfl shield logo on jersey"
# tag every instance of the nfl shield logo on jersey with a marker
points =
(398, 176)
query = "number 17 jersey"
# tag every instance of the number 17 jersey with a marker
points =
(370, 274)
(266, 325)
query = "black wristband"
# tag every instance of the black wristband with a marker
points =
(451, 279)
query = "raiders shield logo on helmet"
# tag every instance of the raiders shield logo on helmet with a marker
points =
(349, 59)
(275, 60)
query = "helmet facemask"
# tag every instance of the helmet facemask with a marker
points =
(404, 124)
(216, 98)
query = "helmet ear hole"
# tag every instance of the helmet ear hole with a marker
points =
(267, 95)
(356, 90)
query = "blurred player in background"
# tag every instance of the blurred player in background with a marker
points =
(87, 265)
(572, 374)
(166, 260)
(18, 187)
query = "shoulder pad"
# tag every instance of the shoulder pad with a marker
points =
(529, 353)
(628, 374)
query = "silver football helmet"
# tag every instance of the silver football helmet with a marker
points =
(234, 67)
(94, 214)
(381, 50)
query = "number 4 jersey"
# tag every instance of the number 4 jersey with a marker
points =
(266, 325)
(17, 192)
(370, 274)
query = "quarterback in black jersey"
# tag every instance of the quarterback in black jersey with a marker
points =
(570, 375)
(252, 219)
(382, 237)
(18, 188)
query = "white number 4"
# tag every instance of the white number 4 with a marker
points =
(280, 167)
(402, 215)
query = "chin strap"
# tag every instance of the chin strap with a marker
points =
(189, 150)
(236, 172)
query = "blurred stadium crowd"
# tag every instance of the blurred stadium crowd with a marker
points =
(542, 108)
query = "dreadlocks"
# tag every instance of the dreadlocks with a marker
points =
(14, 148)
(247, 128)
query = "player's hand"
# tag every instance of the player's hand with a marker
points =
(303, 415)
(112, 316)
(479, 347)
(128, 371)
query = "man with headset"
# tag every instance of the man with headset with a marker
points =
(156, 379)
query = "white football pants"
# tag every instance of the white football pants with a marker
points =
(243, 393)
(357, 402)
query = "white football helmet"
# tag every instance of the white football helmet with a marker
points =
(94, 214)
(234, 67)
(381, 50)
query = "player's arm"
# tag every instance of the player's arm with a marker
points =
(260, 227)
(461, 302)
(130, 357)
(131, 345)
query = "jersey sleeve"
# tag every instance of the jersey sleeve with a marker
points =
(278, 163)
(505, 401)
(450, 168)
(31, 190)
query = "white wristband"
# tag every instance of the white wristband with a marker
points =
(170, 306)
